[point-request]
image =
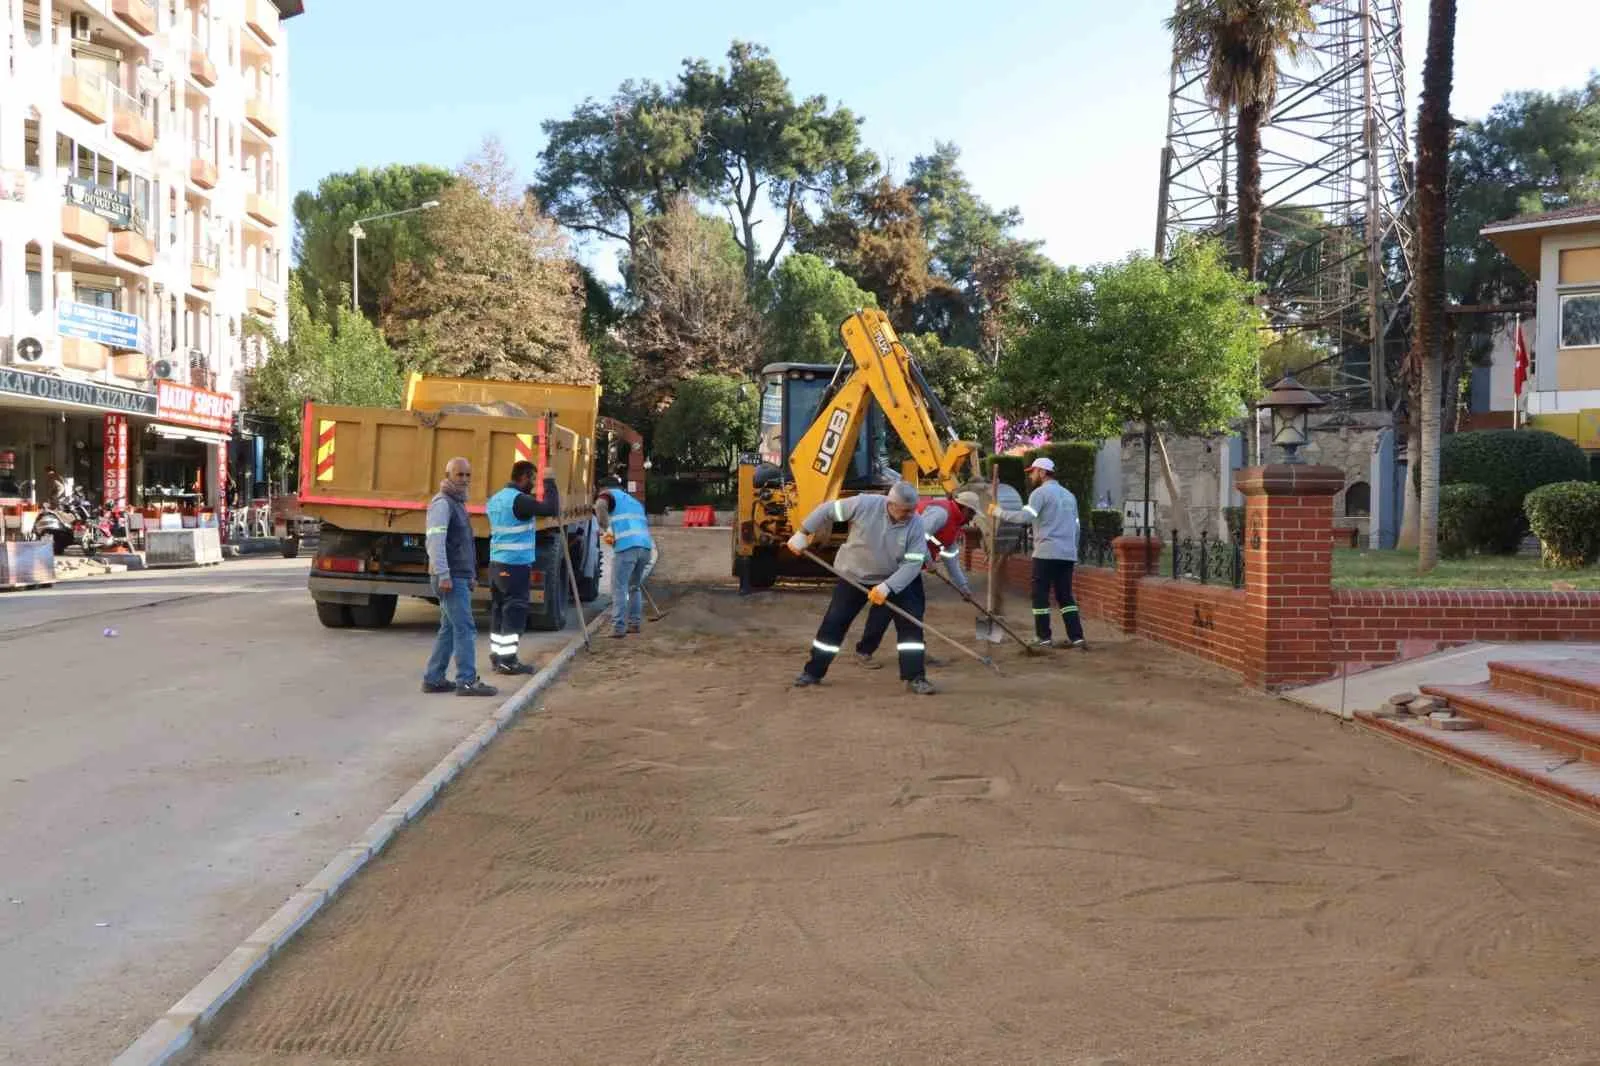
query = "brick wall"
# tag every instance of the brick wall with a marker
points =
(1203, 620)
(1368, 625)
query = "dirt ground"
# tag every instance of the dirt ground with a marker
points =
(1102, 858)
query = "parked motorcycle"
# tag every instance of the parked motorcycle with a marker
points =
(94, 529)
(56, 524)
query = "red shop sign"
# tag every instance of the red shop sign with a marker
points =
(189, 406)
(116, 460)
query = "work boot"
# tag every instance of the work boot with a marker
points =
(1043, 642)
(635, 627)
(617, 634)
(1080, 645)
(921, 687)
(867, 662)
(432, 687)
(512, 667)
(476, 687)
(805, 680)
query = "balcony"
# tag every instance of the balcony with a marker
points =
(203, 172)
(202, 277)
(261, 210)
(132, 122)
(140, 14)
(260, 114)
(83, 90)
(131, 365)
(259, 303)
(134, 247)
(262, 18)
(201, 69)
(85, 227)
(79, 354)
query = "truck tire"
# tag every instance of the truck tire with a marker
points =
(589, 587)
(378, 612)
(334, 615)
(763, 568)
(290, 547)
(551, 615)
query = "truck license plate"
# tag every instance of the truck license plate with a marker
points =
(409, 542)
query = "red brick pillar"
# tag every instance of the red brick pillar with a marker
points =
(1135, 557)
(1288, 572)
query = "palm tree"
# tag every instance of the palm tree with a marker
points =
(1239, 42)
(1427, 345)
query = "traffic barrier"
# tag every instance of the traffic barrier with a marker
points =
(699, 515)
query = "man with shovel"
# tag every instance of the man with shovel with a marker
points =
(944, 520)
(885, 550)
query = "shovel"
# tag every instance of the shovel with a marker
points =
(987, 624)
(984, 659)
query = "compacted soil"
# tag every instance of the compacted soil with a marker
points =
(1111, 857)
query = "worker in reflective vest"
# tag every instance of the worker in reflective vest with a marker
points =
(627, 530)
(512, 511)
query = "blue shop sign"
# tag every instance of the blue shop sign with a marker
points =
(115, 329)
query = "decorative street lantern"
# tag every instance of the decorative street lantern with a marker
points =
(1291, 406)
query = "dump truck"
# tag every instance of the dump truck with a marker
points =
(368, 473)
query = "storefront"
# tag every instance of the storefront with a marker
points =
(183, 455)
(50, 423)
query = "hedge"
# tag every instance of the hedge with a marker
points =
(1461, 519)
(1566, 518)
(1510, 463)
(1104, 523)
(1074, 468)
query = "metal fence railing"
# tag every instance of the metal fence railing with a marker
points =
(1206, 559)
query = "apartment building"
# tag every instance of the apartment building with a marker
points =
(144, 219)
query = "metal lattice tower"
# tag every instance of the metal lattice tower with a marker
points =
(1337, 181)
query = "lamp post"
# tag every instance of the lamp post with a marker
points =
(1291, 405)
(356, 233)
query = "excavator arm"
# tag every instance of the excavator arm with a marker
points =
(883, 370)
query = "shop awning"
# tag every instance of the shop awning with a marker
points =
(162, 429)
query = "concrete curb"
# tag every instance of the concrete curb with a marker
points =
(176, 1029)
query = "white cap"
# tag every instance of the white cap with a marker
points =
(903, 493)
(1044, 462)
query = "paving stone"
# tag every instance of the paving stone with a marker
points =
(158, 1044)
(296, 911)
(333, 876)
(217, 987)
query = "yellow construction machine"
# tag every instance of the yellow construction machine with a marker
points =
(823, 434)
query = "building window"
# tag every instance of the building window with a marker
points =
(35, 292)
(30, 145)
(99, 294)
(1580, 320)
(1358, 500)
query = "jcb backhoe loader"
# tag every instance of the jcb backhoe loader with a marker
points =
(823, 435)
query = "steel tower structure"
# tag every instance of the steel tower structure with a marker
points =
(1337, 182)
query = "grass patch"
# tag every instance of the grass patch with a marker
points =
(1355, 568)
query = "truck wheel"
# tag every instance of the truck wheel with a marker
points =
(378, 612)
(334, 615)
(763, 568)
(290, 547)
(551, 615)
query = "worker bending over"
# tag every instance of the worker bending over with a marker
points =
(627, 529)
(1053, 512)
(943, 521)
(886, 549)
(512, 511)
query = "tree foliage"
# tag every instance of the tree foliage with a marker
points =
(712, 419)
(499, 295)
(693, 313)
(1171, 343)
(341, 358)
(810, 301)
(959, 379)
(322, 230)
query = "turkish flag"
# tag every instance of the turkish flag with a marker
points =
(1520, 374)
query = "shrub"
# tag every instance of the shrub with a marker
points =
(1510, 463)
(1461, 518)
(1234, 516)
(1104, 523)
(1011, 471)
(1074, 467)
(1566, 518)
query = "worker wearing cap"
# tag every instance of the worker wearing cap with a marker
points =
(1053, 512)
(885, 550)
(944, 521)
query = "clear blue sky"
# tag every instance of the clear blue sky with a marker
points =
(1058, 105)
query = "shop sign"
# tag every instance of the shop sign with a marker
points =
(116, 460)
(111, 205)
(189, 406)
(115, 329)
(76, 393)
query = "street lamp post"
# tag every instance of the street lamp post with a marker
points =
(356, 233)
(1291, 405)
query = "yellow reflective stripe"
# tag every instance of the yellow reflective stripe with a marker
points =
(438, 529)
(838, 510)
(1030, 510)
(911, 647)
(915, 557)
(950, 554)
(825, 648)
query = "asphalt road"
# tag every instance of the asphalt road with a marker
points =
(167, 784)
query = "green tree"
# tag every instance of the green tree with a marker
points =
(341, 359)
(761, 148)
(1240, 42)
(499, 296)
(611, 166)
(322, 230)
(712, 419)
(959, 379)
(1427, 322)
(1172, 345)
(810, 301)
(693, 313)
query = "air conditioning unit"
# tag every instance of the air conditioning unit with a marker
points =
(164, 370)
(80, 27)
(24, 351)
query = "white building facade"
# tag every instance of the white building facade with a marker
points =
(144, 217)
